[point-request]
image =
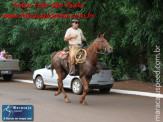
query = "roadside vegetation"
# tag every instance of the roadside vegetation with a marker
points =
(132, 27)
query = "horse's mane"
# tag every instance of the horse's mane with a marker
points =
(91, 45)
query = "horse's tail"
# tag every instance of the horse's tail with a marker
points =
(52, 64)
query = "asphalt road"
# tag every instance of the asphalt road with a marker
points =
(101, 107)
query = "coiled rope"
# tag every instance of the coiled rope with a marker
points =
(79, 54)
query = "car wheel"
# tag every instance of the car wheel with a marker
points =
(104, 90)
(39, 83)
(77, 87)
(7, 77)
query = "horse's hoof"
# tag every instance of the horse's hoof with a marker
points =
(84, 102)
(67, 100)
(56, 94)
(81, 101)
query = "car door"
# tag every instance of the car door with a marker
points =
(49, 79)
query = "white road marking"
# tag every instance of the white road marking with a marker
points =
(147, 94)
(21, 80)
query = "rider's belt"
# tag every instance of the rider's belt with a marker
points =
(80, 46)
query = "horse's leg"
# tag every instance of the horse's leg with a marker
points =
(85, 82)
(62, 76)
(59, 86)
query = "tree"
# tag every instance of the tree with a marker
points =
(132, 27)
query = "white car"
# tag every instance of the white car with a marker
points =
(102, 81)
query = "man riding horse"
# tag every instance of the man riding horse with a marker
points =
(74, 36)
(86, 69)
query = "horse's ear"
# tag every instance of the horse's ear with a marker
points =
(103, 34)
(99, 35)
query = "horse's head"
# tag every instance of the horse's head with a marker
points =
(103, 44)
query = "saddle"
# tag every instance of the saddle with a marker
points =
(64, 54)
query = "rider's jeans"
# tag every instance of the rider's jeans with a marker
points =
(73, 50)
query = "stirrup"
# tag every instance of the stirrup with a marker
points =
(72, 73)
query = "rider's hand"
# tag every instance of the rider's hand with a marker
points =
(84, 39)
(75, 36)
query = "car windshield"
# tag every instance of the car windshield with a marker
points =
(48, 66)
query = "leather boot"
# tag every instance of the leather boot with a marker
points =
(72, 70)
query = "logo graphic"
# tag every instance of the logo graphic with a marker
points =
(17, 112)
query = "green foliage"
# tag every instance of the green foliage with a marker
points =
(132, 27)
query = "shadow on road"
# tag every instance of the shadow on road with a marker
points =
(3, 81)
(91, 92)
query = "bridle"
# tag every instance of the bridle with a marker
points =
(100, 43)
(103, 46)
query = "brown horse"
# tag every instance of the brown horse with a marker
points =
(86, 69)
